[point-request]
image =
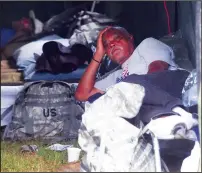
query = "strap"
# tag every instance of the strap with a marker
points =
(60, 103)
(96, 61)
(62, 95)
(8, 110)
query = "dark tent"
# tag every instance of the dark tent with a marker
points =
(142, 19)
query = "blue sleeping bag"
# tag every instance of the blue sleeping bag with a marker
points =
(6, 34)
(75, 75)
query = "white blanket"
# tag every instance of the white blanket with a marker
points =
(111, 143)
(107, 138)
(8, 97)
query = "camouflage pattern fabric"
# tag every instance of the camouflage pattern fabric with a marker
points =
(45, 110)
(191, 90)
(191, 81)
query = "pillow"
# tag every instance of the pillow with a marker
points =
(24, 56)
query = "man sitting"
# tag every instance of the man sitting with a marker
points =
(150, 56)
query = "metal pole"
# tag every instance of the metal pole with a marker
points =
(198, 62)
(156, 152)
(93, 6)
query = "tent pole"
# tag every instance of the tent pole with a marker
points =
(198, 61)
(93, 6)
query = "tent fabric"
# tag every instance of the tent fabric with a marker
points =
(144, 19)
(187, 26)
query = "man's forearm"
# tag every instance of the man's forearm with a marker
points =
(87, 82)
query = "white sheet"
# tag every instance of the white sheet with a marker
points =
(24, 56)
(103, 125)
(8, 97)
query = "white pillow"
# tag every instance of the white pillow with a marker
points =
(25, 54)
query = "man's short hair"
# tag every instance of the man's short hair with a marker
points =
(121, 29)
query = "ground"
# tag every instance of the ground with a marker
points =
(12, 160)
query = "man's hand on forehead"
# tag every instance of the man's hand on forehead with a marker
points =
(104, 30)
(100, 49)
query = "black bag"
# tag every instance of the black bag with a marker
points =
(57, 58)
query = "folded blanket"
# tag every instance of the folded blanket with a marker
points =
(161, 92)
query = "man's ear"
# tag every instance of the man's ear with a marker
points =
(131, 38)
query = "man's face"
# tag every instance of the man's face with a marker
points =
(118, 45)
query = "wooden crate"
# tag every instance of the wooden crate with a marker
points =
(9, 72)
(11, 77)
